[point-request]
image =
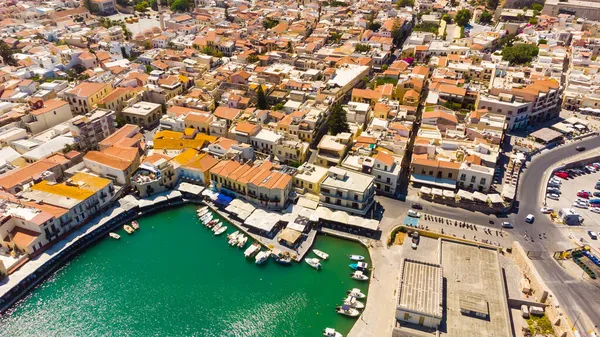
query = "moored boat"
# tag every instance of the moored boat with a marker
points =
(357, 257)
(128, 229)
(234, 234)
(216, 227)
(321, 254)
(233, 238)
(359, 275)
(283, 258)
(253, 249)
(356, 293)
(202, 210)
(242, 239)
(347, 310)
(315, 263)
(359, 266)
(330, 332)
(114, 236)
(354, 303)
(221, 230)
(262, 257)
(135, 225)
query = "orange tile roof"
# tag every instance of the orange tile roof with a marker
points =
(49, 106)
(227, 113)
(108, 160)
(385, 158)
(21, 175)
(87, 89)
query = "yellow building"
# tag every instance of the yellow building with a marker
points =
(190, 138)
(86, 95)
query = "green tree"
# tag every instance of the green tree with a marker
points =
(384, 67)
(542, 41)
(141, 6)
(7, 54)
(447, 18)
(290, 47)
(338, 122)
(427, 27)
(405, 3)
(492, 4)
(359, 48)
(397, 32)
(462, 17)
(252, 58)
(520, 53)
(261, 98)
(269, 23)
(278, 106)
(533, 21)
(180, 5)
(148, 69)
(153, 4)
(485, 17)
(371, 24)
(537, 7)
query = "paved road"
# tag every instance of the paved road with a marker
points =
(574, 294)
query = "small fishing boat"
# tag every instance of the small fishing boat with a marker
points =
(221, 230)
(253, 249)
(202, 210)
(233, 238)
(114, 236)
(135, 225)
(359, 266)
(315, 263)
(321, 254)
(357, 257)
(330, 332)
(356, 293)
(358, 275)
(354, 303)
(212, 222)
(216, 227)
(206, 219)
(347, 311)
(262, 257)
(242, 239)
(283, 258)
(128, 229)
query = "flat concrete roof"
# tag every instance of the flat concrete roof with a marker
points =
(473, 279)
(421, 288)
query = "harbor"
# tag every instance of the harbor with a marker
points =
(135, 283)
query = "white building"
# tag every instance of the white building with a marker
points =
(265, 140)
(347, 191)
(475, 177)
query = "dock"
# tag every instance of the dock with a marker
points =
(268, 243)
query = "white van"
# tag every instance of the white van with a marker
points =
(524, 311)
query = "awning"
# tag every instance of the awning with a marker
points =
(436, 191)
(449, 194)
(289, 235)
(495, 198)
(464, 194)
(428, 180)
(425, 190)
(480, 196)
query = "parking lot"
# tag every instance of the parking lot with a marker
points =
(568, 197)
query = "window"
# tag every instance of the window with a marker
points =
(430, 173)
(473, 179)
(482, 182)
(463, 177)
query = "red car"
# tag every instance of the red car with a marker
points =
(561, 174)
(585, 195)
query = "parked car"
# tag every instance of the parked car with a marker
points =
(553, 190)
(596, 165)
(580, 148)
(561, 174)
(583, 194)
(417, 205)
(553, 196)
(590, 169)
(579, 205)
(507, 224)
(530, 218)
(593, 235)
(556, 180)
(596, 194)
(597, 186)
(582, 201)
(595, 209)
(553, 185)
(414, 214)
(546, 210)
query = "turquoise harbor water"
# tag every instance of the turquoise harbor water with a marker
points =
(174, 278)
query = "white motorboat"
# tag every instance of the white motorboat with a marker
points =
(354, 303)
(206, 219)
(356, 293)
(221, 230)
(233, 235)
(114, 236)
(330, 332)
(359, 275)
(315, 263)
(233, 238)
(321, 254)
(253, 249)
(216, 227)
(347, 310)
(262, 257)
(242, 241)
(357, 257)
(135, 225)
(128, 229)
(202, 210)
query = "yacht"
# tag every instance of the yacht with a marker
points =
(233, 238)
(216, 227)
(356, 293)
(354, 303)
(253, 249)
(315, 263)
(128, 229)
(233, 235)
(114, 236)
(359, 266)
(221, 230)
(347, 310)
(135, 225)
(262, 257)
(321, 254)
(357, 257)
(283, 258)
(358, 275)
(242, 239)
(330, 332)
